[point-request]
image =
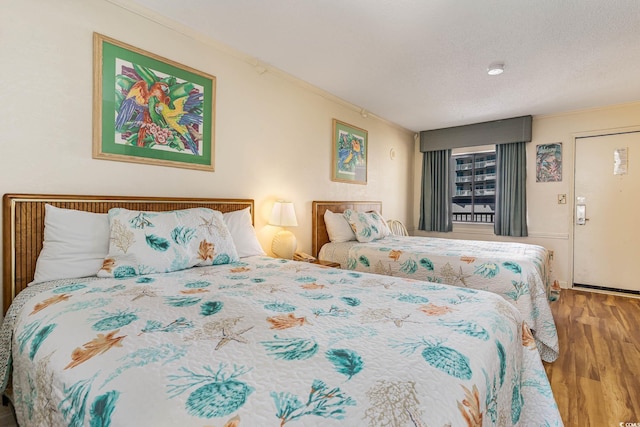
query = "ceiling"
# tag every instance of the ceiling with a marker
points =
(422, 63)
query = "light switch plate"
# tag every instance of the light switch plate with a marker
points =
(562, 199)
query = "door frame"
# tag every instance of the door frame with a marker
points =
(572, 184)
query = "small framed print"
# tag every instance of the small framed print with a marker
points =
(549, 162)
(349, 153)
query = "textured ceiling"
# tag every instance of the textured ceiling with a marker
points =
(422, 63)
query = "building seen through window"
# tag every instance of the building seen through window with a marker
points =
(474, 192)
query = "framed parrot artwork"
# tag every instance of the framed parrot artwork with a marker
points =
(149, 109)
(350, 149)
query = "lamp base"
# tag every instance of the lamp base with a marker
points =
(284, 244)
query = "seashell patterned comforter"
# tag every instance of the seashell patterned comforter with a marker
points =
(268, 342)
(519, 272)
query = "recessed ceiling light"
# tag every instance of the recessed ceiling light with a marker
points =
(495, 69)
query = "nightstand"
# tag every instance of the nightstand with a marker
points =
(330, 264)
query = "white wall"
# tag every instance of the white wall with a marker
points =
(272, 138)
(550, 224)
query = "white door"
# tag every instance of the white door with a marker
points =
(606, 248)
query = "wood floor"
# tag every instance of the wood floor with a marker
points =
(596, 379)
(6, 417)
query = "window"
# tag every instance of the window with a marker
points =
(474, 192)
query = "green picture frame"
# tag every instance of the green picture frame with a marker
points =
(349, 153)
(149, 109)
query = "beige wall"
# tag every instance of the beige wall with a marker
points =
(550, 224)
(273, 133)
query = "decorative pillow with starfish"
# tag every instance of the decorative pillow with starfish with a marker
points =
(142, 242)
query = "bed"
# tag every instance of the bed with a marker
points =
(253, 342)
(520, 273)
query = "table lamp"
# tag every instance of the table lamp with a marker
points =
(284, 242)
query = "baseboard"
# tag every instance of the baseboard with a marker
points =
(564, 285)
(603, 290)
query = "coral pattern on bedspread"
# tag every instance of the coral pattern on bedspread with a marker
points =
(268, 342)
(518, 272)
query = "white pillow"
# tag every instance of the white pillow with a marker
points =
(243, 233)
(143, 242)
(338, 227)
(368, 226)
(75, 244)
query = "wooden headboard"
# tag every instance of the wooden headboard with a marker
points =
(23, 226)
(318, 228)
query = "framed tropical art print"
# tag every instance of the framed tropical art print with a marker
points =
(349, 153)
(549, 162)
(149, 109)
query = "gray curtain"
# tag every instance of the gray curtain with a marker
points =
(511, 194)
(436, 195)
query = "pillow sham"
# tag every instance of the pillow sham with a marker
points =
(338, 228)
(242, 232)
(144, 242)
(367, 226)
(75, 244)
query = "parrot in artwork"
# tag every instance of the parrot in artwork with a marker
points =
(136, 104)
(176, 118)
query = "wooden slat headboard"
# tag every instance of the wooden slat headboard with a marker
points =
(23, 226)
(318, 228)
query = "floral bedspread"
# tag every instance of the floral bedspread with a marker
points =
(518, 272)
(268, 342)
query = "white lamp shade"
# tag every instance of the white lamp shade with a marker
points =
(283, 214)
